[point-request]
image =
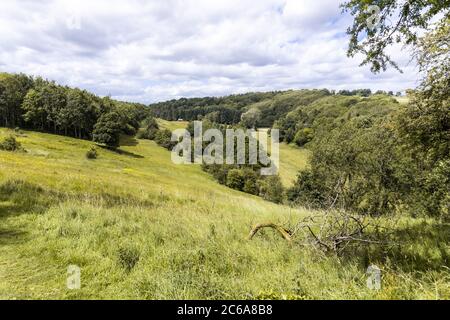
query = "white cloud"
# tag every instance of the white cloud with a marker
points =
(154, 50)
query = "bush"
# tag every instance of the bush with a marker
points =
(219, 172)
(271, 189)
(235, 179)
(92, 153)
(164, 139)
(148, 134)
(304, 136)
(10, 144)
(250, 181)
(151, 129)
(308, 190)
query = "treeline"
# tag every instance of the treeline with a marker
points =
(265, 113)
(226, 110)
(309, 120)
(38, 104)
(252, 110)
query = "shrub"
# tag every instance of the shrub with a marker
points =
(10, 144)
(164, 139)
(151, 129)
(250, 181)
(148, 134)
(219, 172)
(235, 179)
(271, 189)
(304, 136)
(92, 153)
(308, 190)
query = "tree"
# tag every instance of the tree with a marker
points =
(235, 179)
(13, 89)
(396, 22)
(107, 130)
(424, 124)
(34, 108)
(354, 167)
(250, 118)
(150, 130)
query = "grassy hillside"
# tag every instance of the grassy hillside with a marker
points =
(142, 227)
(292, 160)
(172, 125)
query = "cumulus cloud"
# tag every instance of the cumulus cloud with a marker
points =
(149, 51)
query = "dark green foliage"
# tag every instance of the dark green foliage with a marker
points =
(243, 177)
(219, 172)
(151, 129)
(10, 144)
(325, 114)
(271, 189)
(309, 191)
(13, 89)
(358, 92)
(304, 136)
(235, 179)
(355, 167)
(39, 104)
(164, 139)
(107, 130)
(250, 181)
(92, 153)
(224, 110)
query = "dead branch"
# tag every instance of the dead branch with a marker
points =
(285, 233)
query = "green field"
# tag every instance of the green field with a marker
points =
(292, 160)
(172, 125)
(140, 227)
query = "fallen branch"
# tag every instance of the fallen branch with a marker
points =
(285, 233)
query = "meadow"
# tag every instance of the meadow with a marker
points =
(140, 227)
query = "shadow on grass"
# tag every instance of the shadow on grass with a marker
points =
(129, 154)
(122, 152)
(415, 248)
(9, 235)
(128, 141)
(17, 198)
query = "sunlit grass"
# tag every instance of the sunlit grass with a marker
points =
(172, 125)
(292, 160)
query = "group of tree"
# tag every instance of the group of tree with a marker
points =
(301, 125)
(253, 110)
(225, 110)
(38, 104)
(243, 177)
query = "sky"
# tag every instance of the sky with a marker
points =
(156, 50)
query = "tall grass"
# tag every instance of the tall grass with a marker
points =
(142, 228)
